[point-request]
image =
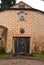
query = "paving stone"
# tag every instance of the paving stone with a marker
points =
(20, 62)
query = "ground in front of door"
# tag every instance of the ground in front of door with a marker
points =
(20, 62)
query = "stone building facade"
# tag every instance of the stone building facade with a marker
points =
(22, 29)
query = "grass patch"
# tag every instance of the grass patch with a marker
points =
(4, 55)
(38, 55)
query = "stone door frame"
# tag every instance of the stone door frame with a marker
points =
(14, 46)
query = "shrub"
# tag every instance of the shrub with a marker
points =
(2, 50)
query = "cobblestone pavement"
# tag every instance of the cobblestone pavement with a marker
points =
(20, 62)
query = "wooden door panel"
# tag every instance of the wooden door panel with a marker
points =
(22, 45)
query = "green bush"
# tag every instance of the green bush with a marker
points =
(38, 55)
(2, 50)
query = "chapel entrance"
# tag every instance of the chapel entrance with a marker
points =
(22, 45)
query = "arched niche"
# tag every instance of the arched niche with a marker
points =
(3, 37)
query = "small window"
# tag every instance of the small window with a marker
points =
(22, 30)
(21, 6)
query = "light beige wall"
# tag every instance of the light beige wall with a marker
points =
(34, 27)
(20, 3)
(38, 31)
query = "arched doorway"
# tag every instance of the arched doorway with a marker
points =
(3, 38)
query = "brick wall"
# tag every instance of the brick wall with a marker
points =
(34, 28)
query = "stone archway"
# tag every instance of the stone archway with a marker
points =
(3, 37)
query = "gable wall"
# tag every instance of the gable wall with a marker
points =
(21, 3)
(34, 27)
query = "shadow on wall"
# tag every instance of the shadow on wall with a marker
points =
(3, 38)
